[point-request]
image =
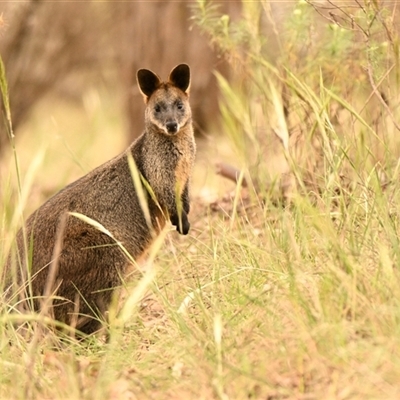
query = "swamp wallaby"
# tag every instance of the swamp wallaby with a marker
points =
(83, 263)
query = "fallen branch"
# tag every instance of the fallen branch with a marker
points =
(230, 172)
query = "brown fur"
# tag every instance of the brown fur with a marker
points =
(88, 264)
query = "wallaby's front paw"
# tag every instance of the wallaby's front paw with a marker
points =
(182, 226)
(185, 228)
(186, 206)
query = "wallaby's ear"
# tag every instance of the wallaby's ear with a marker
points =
(148, 82)
(180, 77)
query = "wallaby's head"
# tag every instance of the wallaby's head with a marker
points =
(167, 103)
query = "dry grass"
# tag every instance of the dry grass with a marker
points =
(263, 303)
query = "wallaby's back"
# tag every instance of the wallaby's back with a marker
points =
(87, 263)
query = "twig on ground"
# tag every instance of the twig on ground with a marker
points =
(230, 172)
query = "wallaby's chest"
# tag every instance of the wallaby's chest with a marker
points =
(170, 155)
(184, 164)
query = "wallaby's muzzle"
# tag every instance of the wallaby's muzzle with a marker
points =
(172, 127)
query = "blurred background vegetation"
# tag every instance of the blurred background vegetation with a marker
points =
(320, 93)
(297, 83)
(64, 50)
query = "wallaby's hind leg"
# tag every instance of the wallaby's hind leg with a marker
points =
(84, 293)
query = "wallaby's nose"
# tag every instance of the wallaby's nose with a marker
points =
(172, 127)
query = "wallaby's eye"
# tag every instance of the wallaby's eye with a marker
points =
(180, 106)
(157, 108)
